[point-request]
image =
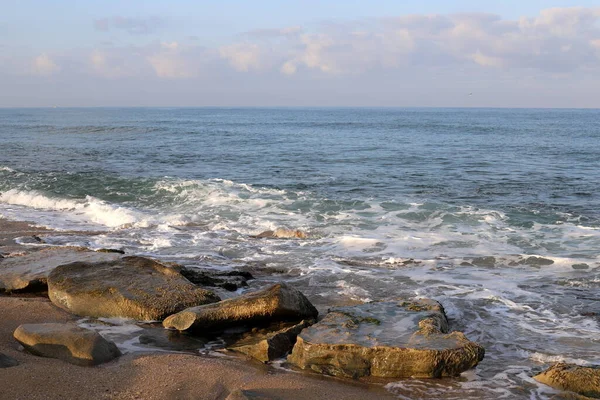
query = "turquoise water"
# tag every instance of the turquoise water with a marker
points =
(441, 203)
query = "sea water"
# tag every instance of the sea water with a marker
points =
(493, 212)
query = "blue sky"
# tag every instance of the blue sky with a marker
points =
(378, 53)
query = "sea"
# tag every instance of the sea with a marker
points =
(495, 213)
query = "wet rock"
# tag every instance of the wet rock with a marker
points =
(536, 261)
(484, 261)
(279, 302)
(170, 340)
(386, 339)
(7, 362)
(580, 266)
(30, 272)
(574, 378)
(228, 280)
(130, 287)
(270, 343)
(260, 268)
(282, 234)
(118, 251)
(67, 342)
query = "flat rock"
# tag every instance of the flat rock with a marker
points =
(279, 302)
(7, 362)
(30, 272)
(270, 343)
(386, 339)
(584, 381)
(129, 287)
(67, 342)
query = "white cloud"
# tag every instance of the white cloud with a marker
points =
(486, 61)
(44, 65)
(242, 56)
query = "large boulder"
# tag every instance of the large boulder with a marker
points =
(7, 362)
(279, 302)
(67, 342)
(386, 339)
(574, 378)
(130, 287)
(269, 343)
(30, 272)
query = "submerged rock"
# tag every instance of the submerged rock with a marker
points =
(574, 378)
(282, 234)
(130, 287)
(67, 342)
(7, 362)
(270, 343)
(228, 280)
(279, 302)
(30, 272)
(386, 339)
(534, 261)
(170, 340)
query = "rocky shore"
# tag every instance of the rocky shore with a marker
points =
(46, 291)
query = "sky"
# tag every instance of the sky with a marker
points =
(373, 53)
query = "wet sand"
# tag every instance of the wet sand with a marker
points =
(152, 375)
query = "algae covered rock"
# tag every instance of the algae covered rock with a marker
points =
(269, 343)
(279, 302)
(67, 342)
(574, 378)
(386, 339)
(30, 272)
(130, 287)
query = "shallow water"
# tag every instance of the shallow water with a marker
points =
(448, 204)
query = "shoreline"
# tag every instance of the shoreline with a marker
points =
(145, 375)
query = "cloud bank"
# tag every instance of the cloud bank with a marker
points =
(558, 45)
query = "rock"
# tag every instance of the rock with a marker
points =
(7, 362)
(386, 339)
(484, 261)
(580, 266)
(170, 340)
(536, 261)
(118, 251)
(67, 342)
(270, 343)
(574, 378)
(130, 287)
(281, 233)
(279, 302)
(30, 272)
(229, 280)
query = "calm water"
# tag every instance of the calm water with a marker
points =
(440, 203)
